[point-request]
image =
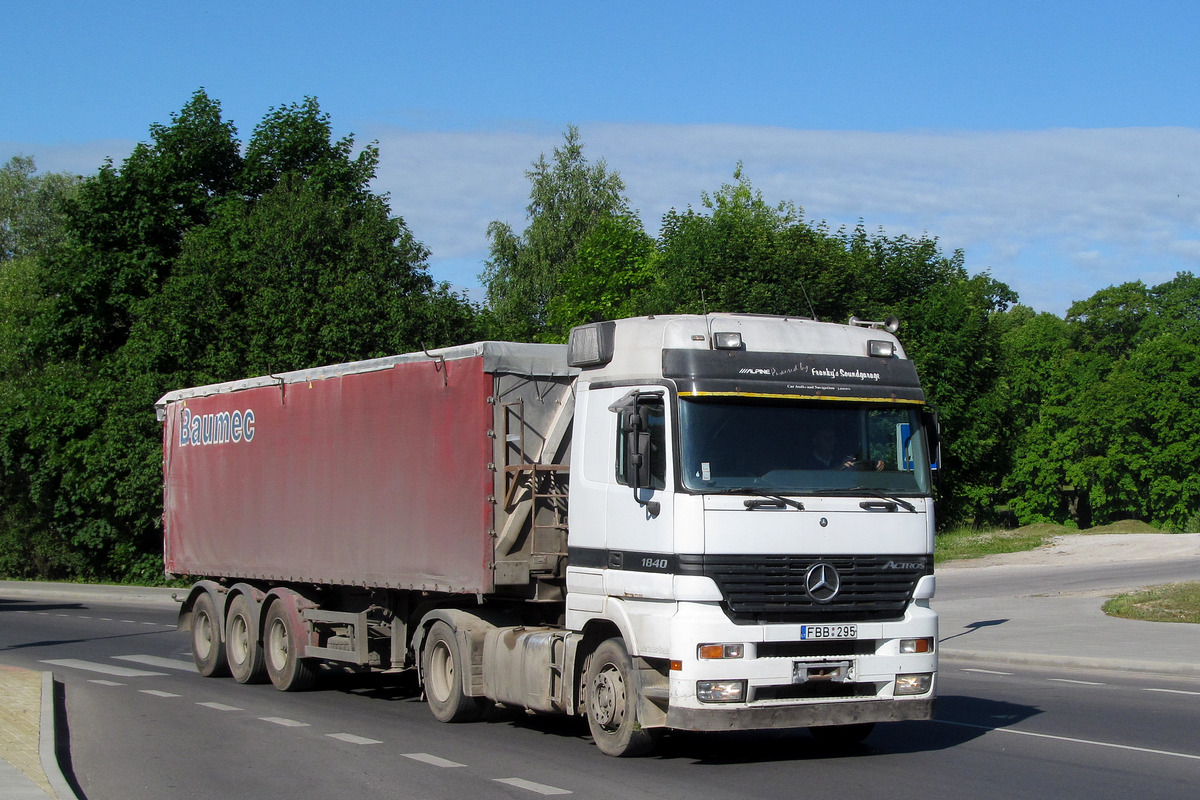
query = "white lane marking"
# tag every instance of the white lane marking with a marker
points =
(352, 739)
(434, 760)
(103, 682)
(1113, 745)
(106, 619)
(1080, 683)
(987, 671)
(219, 707)
(1172, 691)
(287, 723)
(159, 661)
(157, 693)
(105, 669)
(149, 623)
(130, 621)
(540, 788)
(81, 616)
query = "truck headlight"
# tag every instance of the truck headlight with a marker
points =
(919, 683)
(721, 691)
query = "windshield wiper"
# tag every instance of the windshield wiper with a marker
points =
(767, 500)
(894, 501)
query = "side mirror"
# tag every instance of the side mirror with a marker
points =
(933, 435)
(636, 470)
(637, 447)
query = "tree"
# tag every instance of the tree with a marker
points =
(32, 228)
(568, 198)
(191, 264)
(613, 267)
(1112, 397)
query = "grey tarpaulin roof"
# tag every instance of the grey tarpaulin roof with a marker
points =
(515, 358)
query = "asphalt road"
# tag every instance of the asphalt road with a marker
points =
(142, 724)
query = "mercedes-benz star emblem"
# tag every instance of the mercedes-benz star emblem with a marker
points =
(822, 582)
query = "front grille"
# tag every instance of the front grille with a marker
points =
(770, 588)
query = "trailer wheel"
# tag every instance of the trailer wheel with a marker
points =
(208, 643)
(442, 673)
(842, 735)
(612, 703)
(242, 648)
(281, 644)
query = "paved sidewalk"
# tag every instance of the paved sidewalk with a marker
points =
(28, 766)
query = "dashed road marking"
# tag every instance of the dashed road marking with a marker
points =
(540, 788)
(1172, 691)
(159, 661)
(1080, 683)
(103, 682)
(986, 671)
(285, 722)
(220, 707)
(352, 739)
(433, 760)
(158, 693)
(104, 669)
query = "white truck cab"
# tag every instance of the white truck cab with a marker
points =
(751, 518)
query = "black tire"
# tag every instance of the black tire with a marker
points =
(281, 646)
(242, 648)
(612, 701)
(442, 674)
(208, 639)
(842, 735)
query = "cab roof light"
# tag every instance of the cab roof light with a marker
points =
(881, 348)
(727, 341)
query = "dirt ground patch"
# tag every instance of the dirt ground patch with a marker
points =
(1094, 548)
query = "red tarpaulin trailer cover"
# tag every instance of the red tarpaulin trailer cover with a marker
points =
(371, 474)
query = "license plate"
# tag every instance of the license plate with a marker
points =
(809, 632)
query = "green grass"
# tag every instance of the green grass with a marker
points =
(969, 542)
(1172, 602)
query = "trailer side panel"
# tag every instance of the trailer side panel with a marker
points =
(375, 478)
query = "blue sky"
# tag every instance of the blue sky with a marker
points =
(1058, 144)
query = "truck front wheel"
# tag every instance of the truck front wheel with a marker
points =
(612, 703)
(281, 644)
(242, 648)
(208, 645)
(442, 672)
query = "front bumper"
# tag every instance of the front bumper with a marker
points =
(742, 718)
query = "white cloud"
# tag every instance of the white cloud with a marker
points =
(1057, 214)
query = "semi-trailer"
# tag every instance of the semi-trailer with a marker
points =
(708, 522)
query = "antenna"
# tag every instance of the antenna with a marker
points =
(812, 313)
(703, 303)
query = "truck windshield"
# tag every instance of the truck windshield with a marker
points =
(746, 445)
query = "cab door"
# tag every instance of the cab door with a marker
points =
(639, 503)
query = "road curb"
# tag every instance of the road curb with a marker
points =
(139, 595)
(48, 745)
(1074, 662)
